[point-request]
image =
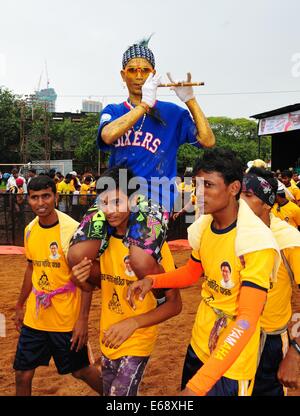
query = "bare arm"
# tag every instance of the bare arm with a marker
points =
(26, 286)
(121, 125)
(86, 274)
(25, 292)
(121, 331)
(205, 134)
(289, 367)
(88, 249)
(80, 330)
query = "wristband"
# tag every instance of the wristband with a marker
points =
(295, 345)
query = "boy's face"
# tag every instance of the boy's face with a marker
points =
(115, 206)
(286, 180)
(217, 194)
(42, 202)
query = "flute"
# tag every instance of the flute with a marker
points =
(182, 84)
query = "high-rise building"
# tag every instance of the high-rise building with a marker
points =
(90, 106)
(47, 97)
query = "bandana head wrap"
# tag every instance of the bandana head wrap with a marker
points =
(260, 188)
(139, 50)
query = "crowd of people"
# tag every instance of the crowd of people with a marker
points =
(245, 245)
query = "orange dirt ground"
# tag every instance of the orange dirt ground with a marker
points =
(163, 373)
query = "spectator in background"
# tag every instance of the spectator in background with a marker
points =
(5, 177)
(75, 179)
(285, 209)
(295, 178)
(84, 191)
(12, 180)
(287, 181)
(17, 201)
(31, 174)
(65, 187)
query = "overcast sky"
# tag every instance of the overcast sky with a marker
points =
(246, 52)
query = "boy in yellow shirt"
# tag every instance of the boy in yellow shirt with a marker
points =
(55, 323)
(127, 336)
(285, 209)
(279, 361)
(221, 358)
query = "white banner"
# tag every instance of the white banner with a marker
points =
(280, 123)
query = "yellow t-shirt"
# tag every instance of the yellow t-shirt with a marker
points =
(84, 190)
(289, 212)
(185, 187)
(50, 271)
(115, 279)
(295, 191)
(278, 309)
(65, 188)
(222, 292)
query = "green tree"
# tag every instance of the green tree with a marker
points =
(86, 150)
(9, 127)
(239, 135)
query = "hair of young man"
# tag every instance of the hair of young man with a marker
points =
(32, 170)
(51, 173)
(267, 175)
(115, 174)
(41, 182)
(287, 174)
(54, 243)
(222, 161)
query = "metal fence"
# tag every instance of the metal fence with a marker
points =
(15, 214)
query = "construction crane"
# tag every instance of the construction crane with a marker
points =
(47, 78)
(39, 83)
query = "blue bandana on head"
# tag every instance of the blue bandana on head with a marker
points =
(139, 50)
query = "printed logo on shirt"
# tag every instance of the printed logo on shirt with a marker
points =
(139, 139)
(114, 304)
(104, 118)
(44, 282)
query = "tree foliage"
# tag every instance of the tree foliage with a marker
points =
(238, 134)
(77, 140)
(9, 125)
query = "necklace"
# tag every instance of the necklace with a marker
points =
(142, 123)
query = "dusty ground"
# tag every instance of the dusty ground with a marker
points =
(163, 373)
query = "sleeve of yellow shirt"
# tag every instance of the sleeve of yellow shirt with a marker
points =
(296, 212)
(27, 254)
(196, 255)
(296, 193)
(167, 258)
(258, 267)
(293, 256)
(60, 187)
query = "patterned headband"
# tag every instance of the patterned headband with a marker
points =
(138, 51)
(260, 188)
